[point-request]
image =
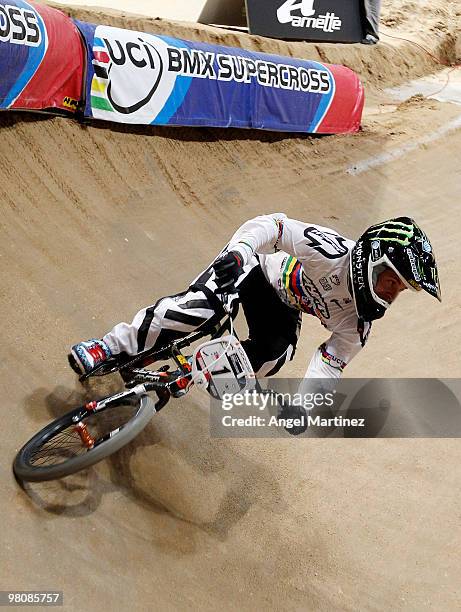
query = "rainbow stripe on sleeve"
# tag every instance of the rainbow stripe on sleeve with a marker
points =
(292, 281)
(330, 359)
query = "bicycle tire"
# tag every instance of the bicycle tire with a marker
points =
(26, 471)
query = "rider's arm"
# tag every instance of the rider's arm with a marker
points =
(330, 359)
(326, 367)
(327, 364)
(268, 234)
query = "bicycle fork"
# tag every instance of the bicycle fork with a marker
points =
(81, 428)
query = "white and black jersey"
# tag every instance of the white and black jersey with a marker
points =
(308, 266)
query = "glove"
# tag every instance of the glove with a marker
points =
(227, 269)
(294, 412)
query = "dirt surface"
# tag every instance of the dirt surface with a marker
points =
(100, 220)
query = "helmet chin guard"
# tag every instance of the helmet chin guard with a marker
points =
(401, 245)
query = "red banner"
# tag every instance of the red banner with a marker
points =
(41, 58)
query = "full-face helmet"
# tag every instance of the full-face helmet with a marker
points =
(401, 245)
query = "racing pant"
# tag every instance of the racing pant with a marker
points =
(273, 326)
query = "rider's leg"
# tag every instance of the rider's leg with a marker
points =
(170, 318)
(273, 326)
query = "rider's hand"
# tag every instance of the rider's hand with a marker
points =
(227, 269)
(295, 418)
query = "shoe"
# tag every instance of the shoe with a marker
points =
(84, 357)
(370, 40)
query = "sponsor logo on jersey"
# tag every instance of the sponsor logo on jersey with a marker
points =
(279, 224)
(334, 278)
(338, 303)
(328, 244)
(301, 290)
(325, 284)
(317, 302)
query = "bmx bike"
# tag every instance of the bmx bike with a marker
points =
(87, 434)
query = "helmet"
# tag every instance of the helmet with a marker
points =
(399, 244)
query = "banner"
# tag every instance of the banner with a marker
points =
(140, 78)
(41, 58)
(323, 20)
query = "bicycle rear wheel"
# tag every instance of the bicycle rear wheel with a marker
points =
(81, 438)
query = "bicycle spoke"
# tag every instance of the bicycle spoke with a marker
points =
(64, 445)
(67, 443)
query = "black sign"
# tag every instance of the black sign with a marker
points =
(322, 20)
(224, 12)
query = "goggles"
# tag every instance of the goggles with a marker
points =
(374, 270)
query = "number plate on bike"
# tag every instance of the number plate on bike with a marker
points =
(221, 367)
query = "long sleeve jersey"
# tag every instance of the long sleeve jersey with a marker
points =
(308, 266)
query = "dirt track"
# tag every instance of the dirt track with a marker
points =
(97, 221)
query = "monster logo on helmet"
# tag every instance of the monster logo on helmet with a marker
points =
(401, 245)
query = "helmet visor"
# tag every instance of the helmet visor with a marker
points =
(425, 274)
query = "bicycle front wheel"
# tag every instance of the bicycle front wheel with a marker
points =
(81, 438)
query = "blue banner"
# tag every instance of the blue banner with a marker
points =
(140, 78)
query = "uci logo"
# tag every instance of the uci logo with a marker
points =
(131, 79)
(134, 71)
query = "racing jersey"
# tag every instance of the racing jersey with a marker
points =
(308, 266)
